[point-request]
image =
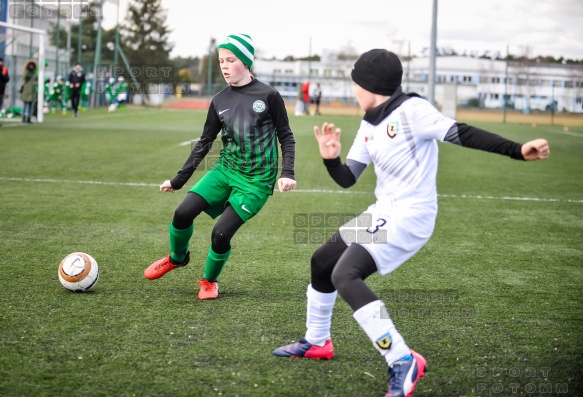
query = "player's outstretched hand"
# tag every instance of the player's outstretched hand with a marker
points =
(537, 149)
(328, 140)
(285, 184)
(167, 187)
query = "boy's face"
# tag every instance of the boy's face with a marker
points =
(366, 99)
(234, 71)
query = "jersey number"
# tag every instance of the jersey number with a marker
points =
(380, 223)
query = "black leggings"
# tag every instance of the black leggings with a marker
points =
(335, 266)
(225, 228)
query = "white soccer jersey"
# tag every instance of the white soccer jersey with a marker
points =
(404, 151)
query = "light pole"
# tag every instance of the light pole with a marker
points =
(506, 87)
(58, 37)
(553, 101)
(116, 36)
(97, 59)
(431, 80)
(31, 26)
(210, 66)
(80, 36)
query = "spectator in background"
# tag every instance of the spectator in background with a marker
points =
(300, 102)
(306, 98)
(4, 79)
(317, 96)
(28, 90)
(76, 81)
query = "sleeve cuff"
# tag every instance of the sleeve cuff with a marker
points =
(331, 163)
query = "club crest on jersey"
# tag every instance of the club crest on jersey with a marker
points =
(259, 106)
(384, 342)
(392, 129)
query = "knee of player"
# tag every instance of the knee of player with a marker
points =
(319, 266)
(219, 237)
(339, 279)
(181, 216)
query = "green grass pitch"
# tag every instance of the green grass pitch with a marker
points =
(493, 301)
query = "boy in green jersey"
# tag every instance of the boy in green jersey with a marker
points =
(251, 119)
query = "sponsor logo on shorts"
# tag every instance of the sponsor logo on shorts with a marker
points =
(244, 207)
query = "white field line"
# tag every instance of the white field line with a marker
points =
(454, 196)
(566, 133)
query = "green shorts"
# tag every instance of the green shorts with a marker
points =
(218, 188)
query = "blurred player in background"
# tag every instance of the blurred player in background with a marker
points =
(76, 82)
(251, 118)
(398, 134)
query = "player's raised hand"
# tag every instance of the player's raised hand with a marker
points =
(328, 140)
(166, 187)
(537, 149)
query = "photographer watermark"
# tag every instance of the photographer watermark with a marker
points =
(426, 304)
(143, 79)
(53, 10)
(508, 381)
(316, 228)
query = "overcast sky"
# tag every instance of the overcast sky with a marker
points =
(301, 27)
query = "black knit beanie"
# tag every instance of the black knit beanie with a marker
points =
(378, 71)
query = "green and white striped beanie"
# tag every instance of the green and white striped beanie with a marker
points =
(242, 46)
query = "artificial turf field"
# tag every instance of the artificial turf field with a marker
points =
(493, 301)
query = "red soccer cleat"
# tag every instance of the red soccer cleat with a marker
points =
(163, 266)
(208, 289)
(304, 349)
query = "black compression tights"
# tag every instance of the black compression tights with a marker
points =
(226, 227)
(335, 266)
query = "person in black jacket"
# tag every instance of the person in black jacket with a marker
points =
(4, 79)
(76, 81)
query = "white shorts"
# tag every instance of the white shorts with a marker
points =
(390, 235)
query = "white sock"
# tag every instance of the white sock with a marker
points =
(319, 316)
(375, 321)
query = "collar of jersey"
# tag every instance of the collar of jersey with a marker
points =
(381, 112)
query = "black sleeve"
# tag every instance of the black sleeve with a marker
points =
(475, 138)
(285, 137)
(340, 172)
(212, 127)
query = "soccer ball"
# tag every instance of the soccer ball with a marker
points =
(78, 272)
(112, 107)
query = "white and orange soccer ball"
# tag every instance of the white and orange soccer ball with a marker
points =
(78, 272)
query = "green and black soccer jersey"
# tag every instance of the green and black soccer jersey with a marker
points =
(251, 120)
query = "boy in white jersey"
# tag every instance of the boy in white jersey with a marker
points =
(399, 135)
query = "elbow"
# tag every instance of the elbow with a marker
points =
(345, 184)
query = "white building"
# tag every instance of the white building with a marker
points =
(525, 86)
